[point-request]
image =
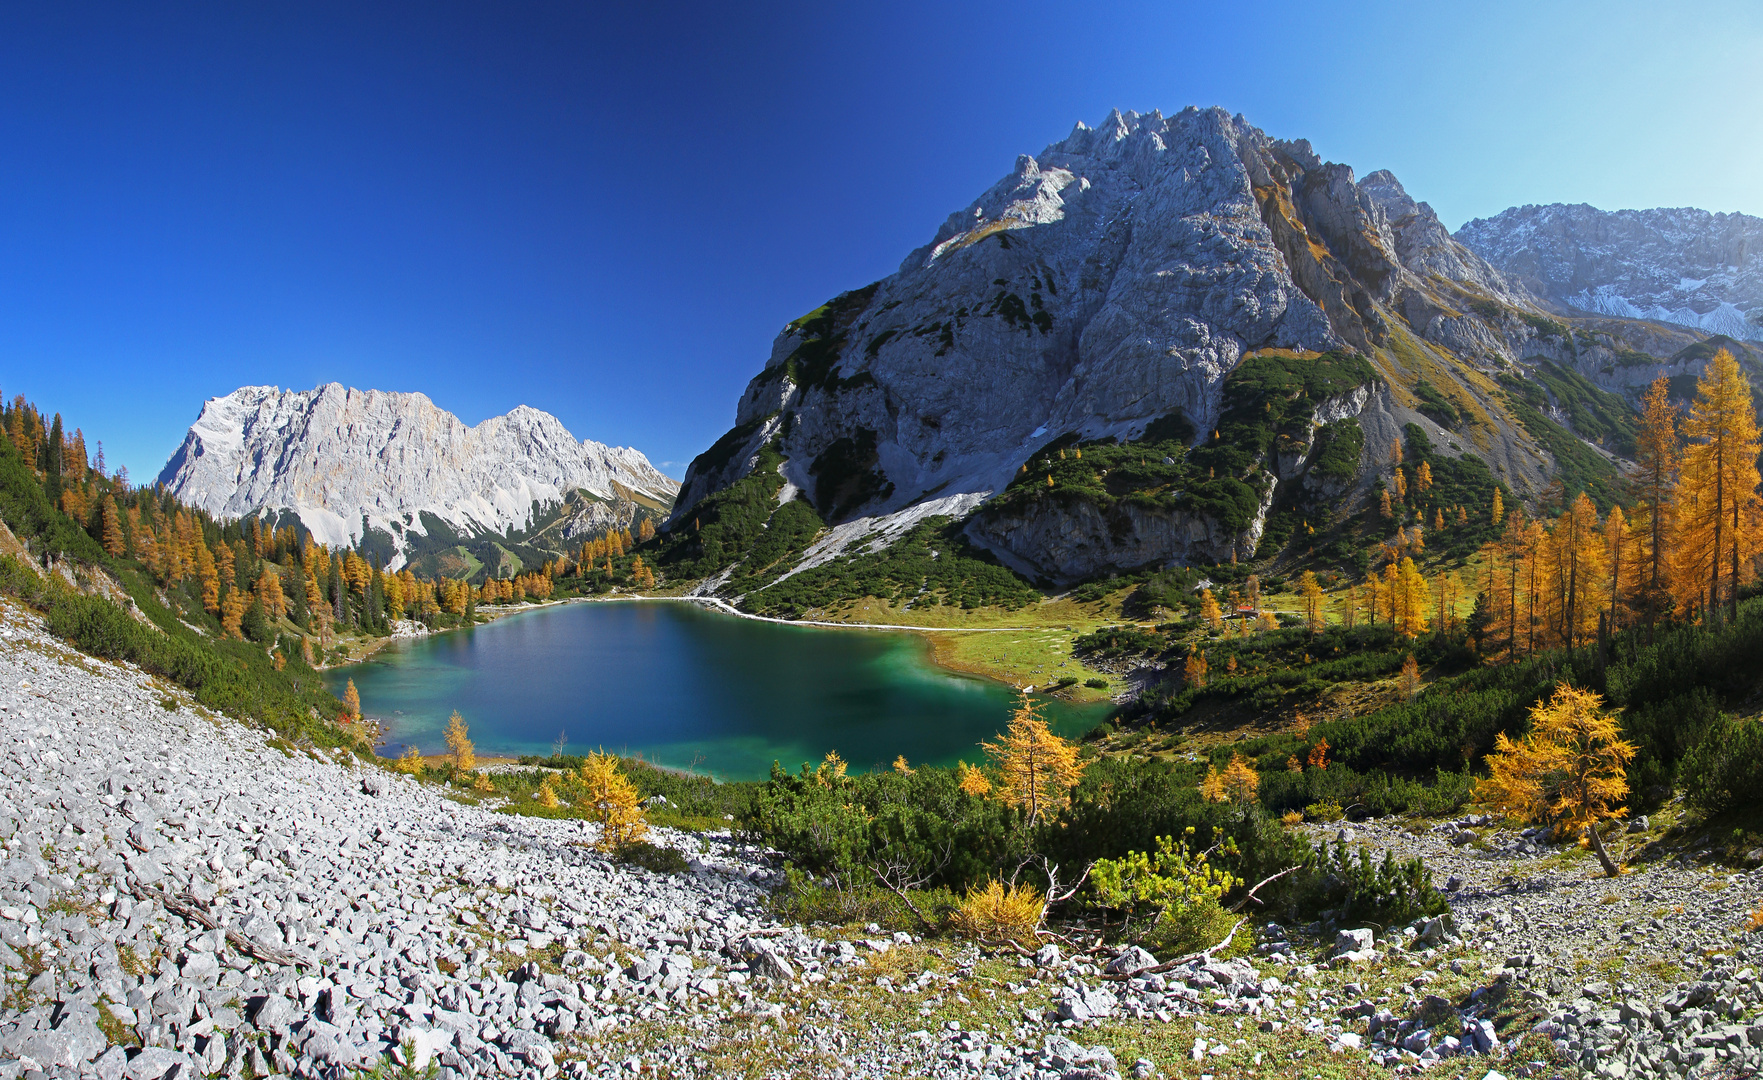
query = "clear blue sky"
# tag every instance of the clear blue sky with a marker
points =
(607, 211)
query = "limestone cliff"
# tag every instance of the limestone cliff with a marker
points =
(350, 464)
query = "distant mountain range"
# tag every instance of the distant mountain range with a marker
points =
(1683, 266)
(395, 474)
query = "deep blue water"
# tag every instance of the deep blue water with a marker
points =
(686, 688)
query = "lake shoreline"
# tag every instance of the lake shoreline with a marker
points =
(940, 651)
(686, 689)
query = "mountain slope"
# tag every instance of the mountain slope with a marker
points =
(393, 471)
(1112, 284)
(1682, 266)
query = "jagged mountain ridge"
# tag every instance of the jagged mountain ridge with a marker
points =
(1116, 279)
(1683, 266)
(354, 463)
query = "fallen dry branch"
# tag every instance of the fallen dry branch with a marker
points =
(1171, 965)
(191, 908)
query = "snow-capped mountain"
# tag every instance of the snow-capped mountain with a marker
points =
(349, 461)
(1683, 266)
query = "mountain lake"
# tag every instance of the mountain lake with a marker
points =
(687, 688)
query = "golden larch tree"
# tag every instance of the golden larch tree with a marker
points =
(1314, 601)
(609, 799)
(351, 700)
(110, 528)
(1497, 512)
(1570, 772)
(1193, 672)
(1656, 453)
(1409, 681)
(972, 781)
(1237, 784)
(1716, 503)
(1409, 600)
(1619, 557)
(459, 744)
(1209, 610)
(1575, 552)
(1037, 768)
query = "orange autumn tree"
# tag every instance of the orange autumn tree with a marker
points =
(1716, 503)
(1313, 601)
(1569, 772)
(1194, 671)
(1037, 769)
(1209, 610)
(1656, 453)
(1237, 784)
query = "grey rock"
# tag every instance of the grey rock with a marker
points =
(154, 1062)
(1131, 960)
(1083, 1003)
(769, 964)
(1355, 941)
(275, 1015)
(111, 1064)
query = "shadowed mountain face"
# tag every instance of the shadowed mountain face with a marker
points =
(1682, 266)
(1119, 280)
(403, 475)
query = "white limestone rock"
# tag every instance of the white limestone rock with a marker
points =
(1683, 266)
(348, 460)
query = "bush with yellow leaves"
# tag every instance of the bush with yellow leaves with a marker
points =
(995, 911)
(547, 793)
(972, 781)
(483, 783)
(609, 799)
(409, 762)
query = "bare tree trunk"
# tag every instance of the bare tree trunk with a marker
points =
(1610, 868)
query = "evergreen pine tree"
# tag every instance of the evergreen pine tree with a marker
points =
(255, 624)
(52, 464)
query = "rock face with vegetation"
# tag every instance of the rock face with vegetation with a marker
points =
(356, 465)
(1682, 266)
(1128, 288)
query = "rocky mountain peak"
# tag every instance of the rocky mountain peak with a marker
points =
(350, 462)
(1115, 279)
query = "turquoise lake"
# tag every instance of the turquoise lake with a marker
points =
(687, 688)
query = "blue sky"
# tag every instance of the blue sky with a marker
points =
(607, 211)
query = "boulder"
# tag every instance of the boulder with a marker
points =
(1355, 941)
(1132, 960)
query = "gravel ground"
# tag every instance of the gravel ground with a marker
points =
(183, 895)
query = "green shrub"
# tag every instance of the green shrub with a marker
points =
(1724, 772)
(653, 857)
(1358, 890)
(1096, 684)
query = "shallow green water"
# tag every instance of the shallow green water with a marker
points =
(688, 688)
